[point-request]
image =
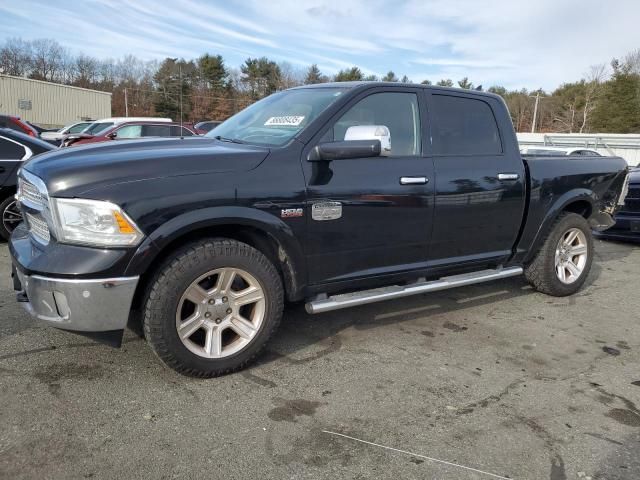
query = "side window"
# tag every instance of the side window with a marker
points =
(175, 132)
(156, 131)
(463, 126)
(396, 110)
(10, 150)
(130, 131)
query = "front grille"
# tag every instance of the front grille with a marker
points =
(38, 228)
(30, 192)
(632, 201)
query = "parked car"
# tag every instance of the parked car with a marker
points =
(58, 135)
(132, 130)
(585, 152)
(14, 123)
(337, 194)
(15, 148)
(627, 225)
(40, 130)
(104, 123)
(205, 127)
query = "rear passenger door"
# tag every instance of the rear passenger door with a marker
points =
(479, 181)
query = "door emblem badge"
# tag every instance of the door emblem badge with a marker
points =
(291, 212)
(326, 211)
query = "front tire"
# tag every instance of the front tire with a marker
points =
(562, 264)
(212, 307)
(10, 216)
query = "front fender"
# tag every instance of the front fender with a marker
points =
(205, 218)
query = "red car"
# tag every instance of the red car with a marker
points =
(132, 130)
(14, 123)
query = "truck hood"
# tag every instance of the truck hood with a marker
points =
(74, 170)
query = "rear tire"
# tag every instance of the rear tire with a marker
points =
(10, 216)
(562, 264)
(212, 307)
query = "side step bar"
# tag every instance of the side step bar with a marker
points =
(326, 304)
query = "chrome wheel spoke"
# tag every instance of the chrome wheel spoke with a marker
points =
(213, 342)
(578, 250)
(247, 296)
(190, 326)
(571, 236)
(562, 273)
(573, 269)
(196, 294)
(225, 280)
(242, 327)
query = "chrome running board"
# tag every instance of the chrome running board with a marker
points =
(326, 304)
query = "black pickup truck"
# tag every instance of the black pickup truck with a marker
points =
(336, 194)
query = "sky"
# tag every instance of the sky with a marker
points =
(513, 43)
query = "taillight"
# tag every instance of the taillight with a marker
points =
(25, 128)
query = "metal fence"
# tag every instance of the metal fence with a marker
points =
(626, 146)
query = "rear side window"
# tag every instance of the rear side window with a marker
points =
(175, 132)
(463, 126)
(10, 150)
(156, 131)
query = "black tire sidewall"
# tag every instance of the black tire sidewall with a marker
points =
(567, 222)
(174, 279)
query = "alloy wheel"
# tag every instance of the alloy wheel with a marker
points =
(571, 255)
(11, 216)
(220, 313)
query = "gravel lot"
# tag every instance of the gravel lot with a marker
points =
(495, 377)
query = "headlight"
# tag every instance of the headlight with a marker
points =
(92, 222)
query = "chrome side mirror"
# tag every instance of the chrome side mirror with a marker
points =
(371, 132)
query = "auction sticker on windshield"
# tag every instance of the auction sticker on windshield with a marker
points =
(286, 121)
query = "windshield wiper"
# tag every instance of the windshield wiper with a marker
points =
(227, 139)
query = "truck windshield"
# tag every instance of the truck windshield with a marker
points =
(275, 120)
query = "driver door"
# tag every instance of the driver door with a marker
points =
(379, 207)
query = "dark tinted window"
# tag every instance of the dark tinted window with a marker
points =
(156, 131)
(463, 126)
(395, 110)
(175, 132)
(10, 150)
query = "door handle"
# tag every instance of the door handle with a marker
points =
(414, 180)
(1, 169)
(508, 176)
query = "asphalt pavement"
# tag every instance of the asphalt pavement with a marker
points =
(487, 381)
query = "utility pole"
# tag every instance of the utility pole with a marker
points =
(535, 113)
(181, 135)
(126, 104)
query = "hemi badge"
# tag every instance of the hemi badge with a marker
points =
(291, 212)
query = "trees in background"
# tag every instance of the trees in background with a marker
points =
(211, 89)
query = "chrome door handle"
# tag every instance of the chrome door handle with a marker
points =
(508, 176)
(413, 180)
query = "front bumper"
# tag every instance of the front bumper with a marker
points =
(95, 305)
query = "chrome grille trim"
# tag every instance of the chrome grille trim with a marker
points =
(30, 193)
(38, 228)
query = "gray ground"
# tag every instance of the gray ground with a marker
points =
(493, 377)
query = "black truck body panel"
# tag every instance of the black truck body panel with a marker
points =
(463, 218)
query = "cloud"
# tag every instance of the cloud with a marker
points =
(511, 43)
